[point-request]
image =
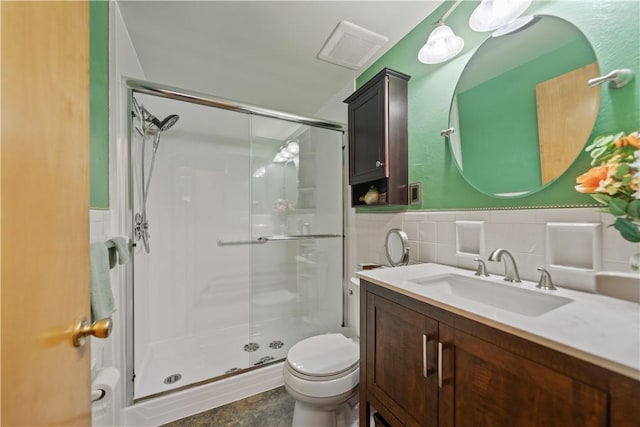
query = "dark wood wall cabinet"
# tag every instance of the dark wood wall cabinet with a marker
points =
(425, 366)
(378, 140)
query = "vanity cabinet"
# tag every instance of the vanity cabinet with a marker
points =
(400, 362)
(425, 366)
(377, 115)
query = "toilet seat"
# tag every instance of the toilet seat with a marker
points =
(324, 356)
(320, 388)
(323, 366)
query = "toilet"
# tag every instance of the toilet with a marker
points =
(322, 373)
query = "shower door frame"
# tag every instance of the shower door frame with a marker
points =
(134, 86)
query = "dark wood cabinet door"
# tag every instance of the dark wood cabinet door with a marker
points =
(367, 135)
(484, 385)
(401, 370)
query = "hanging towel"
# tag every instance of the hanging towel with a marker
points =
(101, 293)
(120, 254)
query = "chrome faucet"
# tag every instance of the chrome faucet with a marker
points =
(510, 269)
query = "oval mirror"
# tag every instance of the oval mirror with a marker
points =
(522, 110)
(397, 247)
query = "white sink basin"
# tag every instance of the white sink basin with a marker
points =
(619, 285)
(504, 296)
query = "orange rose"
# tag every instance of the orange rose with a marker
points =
(590, 181)
(631, 139)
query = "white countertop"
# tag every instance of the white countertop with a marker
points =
(598, 329)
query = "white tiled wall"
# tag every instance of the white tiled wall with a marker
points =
(432, 238)
(99, 232)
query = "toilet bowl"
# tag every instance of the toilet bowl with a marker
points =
(322, 373)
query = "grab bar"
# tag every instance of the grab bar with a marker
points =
(265, 239)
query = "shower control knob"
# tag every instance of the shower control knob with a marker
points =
(379, 164)
(82, 329)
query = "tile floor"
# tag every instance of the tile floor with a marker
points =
(273, 408)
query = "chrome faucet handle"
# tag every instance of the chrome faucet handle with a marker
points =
(482, 268)
(545, 281)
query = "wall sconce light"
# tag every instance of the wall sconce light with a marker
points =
(492, 14)
(442, 44)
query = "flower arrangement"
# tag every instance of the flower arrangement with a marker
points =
(614, 180)
(283, 206)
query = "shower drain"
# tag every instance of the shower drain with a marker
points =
(263, 360)
(276, 344)
(172, 379)
(252, 346)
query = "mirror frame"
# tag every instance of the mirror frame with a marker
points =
(403, 259)
(453, 103)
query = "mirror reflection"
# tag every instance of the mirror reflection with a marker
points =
(522, 110)
(397, 247)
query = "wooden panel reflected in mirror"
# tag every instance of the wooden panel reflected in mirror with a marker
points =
(561, 130)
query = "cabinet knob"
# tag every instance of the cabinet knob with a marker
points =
(379, 164)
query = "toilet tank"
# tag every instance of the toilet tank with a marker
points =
(354, 304)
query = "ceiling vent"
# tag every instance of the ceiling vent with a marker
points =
(351, 46)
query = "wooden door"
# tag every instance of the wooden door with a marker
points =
(401, 357)
(567, 109)
(485, 385)
(44, 212)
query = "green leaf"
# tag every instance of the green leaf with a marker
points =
(601, 198)
(628, 230)
(633, 210)
(622, 170)
(617, 207)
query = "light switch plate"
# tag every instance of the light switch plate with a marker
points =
(415, 193)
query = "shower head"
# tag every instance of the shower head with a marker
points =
(164, 124)
(168, 122)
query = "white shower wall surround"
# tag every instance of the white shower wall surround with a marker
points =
(432, 238)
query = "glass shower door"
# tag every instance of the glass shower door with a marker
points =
(192, 296)
(296, 210)
(245, 234)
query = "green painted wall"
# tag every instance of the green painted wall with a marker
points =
(99, 104)
(501, 124)
(613, 31)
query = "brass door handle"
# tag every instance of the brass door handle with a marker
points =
(82, 329)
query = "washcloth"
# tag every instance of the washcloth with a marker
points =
(120, 254)
(101, 293)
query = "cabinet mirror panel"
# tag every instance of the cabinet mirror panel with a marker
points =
(522, 110)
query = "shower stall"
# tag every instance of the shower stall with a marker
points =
(237, 224)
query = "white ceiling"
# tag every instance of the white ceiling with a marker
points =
(259, 52)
